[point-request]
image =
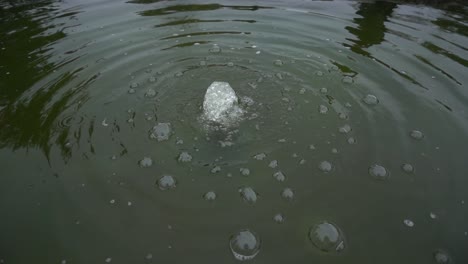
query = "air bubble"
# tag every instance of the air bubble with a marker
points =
(287, 194)
(244, 245)
(210, 196)
(416, 134)
(150, 93)
(260, 156)
(319, 73)
(327, 237)
(166, 182)
(324, 90)
(134, 85)
(248, 195)
(161, 132)
(408, 168)
(215, 49)
(202, 63)
(441, 257)
(408, 223)
(378, 172)
(152, 79)
(230, 64)
(347, 80)
(325, 166)
(273, 164)
(131, 91)
(323, 109)
(352, 140)
(278, 63)
(279, 176)
(184, 157)
(370, 99)
(244, 171)
(345, 129)
(278, 218)
(216, 169)
(146, 162)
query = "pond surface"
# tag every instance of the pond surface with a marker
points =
(350, 145)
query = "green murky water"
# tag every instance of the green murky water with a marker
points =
(352, 146)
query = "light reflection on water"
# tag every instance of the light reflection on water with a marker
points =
(358, 119)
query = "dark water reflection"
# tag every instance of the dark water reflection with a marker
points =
(358, 120)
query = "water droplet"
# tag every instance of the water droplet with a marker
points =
(279, 176)
(260, 156)
(146, 162)
(302, 162)
(210, 196)
(278, 63)
(108, 260)
(378, 172)
(408, 223)
(273, 164)
(244, 245)
(244, 171)
(287, 194)
(166, 182)
(311, 147)
(347, 80)
(345, 129)
(327, 237)
(325, 166)
(278, 218)
(432, 215)
(441, 257)
(416, 134)
(131, 91)
(370, 99)
(112, 201)
(248, 195)
(161, 132)
(258, 52)
(185, 157)
(334, 150)
(408, 168)
(150, 93)
(351, 140)
(323, 109)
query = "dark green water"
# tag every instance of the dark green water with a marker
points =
(82, 83)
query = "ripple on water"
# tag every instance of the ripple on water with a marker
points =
(327, 237)
(244, 245)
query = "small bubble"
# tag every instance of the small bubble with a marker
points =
(108, 260)
(345, 129)
(134, 85)
(149, 256)
(129, 203)
(166, 182)
(311, 147)
(273, 164)
(279, 76)
(323, 109)
(230, 64)
(408, 223)
(319, 73)
(215, 49)
(327, 237)
(325, 166)
(146, 162)
(324, 90)
(278, 218)
(202, 63)
(282, 140)
(432, 215)
(244, 245)
(161, 132)
(184, 157)
(378, 172)
(302, 91)
(334, 150)
(279, 176)
(441, 257)
(216, 169)
(258, 52)
(210, 196)
(370, 99)
(287, 194)
(112, 201)
(408, 168)
(302, 162)
(131, 91)
(248, 195)
(278, 63)
(347, 80)
(152, 79)
(416, 134)
(260, 156)
(351, 140)
(179, 74)
(150, 93)
(244, 171)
